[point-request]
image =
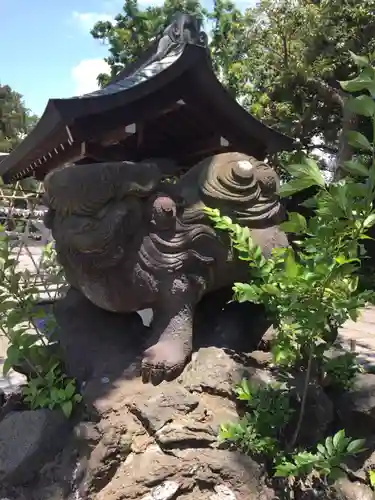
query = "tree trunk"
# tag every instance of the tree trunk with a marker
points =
(349, 122)
(345, 152)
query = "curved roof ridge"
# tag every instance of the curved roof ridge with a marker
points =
(183, 29)
(175, 71)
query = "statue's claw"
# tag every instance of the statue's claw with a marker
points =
(164, 361)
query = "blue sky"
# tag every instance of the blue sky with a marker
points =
(46, 49)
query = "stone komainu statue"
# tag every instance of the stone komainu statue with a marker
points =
(129, 241)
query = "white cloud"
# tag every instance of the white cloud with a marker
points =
(86, 20)
(85, 73)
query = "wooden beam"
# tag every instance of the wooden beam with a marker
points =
(113, 137)
(100, 153)
(69, 154)
(197, 155)
(120, 134)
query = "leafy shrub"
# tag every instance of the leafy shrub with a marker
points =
(261, 433)
(326, 462)
(51, 267)
(52, 390)
(341, 370)
(260, 430)
(47, 387)
(309, 290)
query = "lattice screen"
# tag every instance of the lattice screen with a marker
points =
(21, 215)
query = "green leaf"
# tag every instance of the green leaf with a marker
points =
(371, 476)
(296, 224)
(225, 433)
(70, 390)
(286, 469)
(364, 81)
(356, 446)
(67, 408)
(294, 186)
(62, 395)
(307, 171)
(359, 141)
(304, 458)
(270, 289)
(371, 88)
(7, 305)
(369, 221)
(28, 340)
(283, 355)
(341, 259)
(336, 473)
(13, 354)
(211, 212)
(246, 292)
(362, 105)
(355, 167)
(329, 445)
(291, 267)
(55, 394)
(7, 365)
(321, 449)
(353, 283)
(309, 203)
(360, 61)
(338, 438)
(243, 391)
(77, 398)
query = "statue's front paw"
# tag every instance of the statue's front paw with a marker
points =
(164, 361)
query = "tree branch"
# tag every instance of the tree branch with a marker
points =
(285, 51)
(327, 91)
(324, 147)
(303, 402)
(345, 152)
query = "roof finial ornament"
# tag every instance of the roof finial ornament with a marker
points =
(183, 29)
(186, 28)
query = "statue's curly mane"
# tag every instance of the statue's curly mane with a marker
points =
(243, 188)
(192, 243)
(189, 242)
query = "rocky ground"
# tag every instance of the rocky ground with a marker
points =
(360, 336)
(136, 441)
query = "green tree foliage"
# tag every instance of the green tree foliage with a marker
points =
(16, 121)
(135, 28)
(298, 51)
(282, 59)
